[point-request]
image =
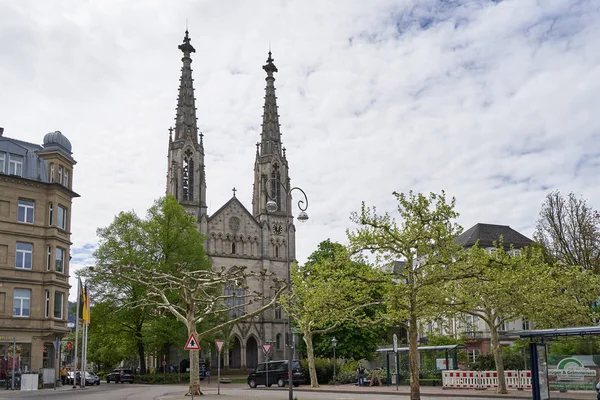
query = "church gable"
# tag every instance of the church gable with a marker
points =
(232, 230)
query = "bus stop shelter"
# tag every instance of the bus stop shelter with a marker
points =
(450, 353)
(538, 339)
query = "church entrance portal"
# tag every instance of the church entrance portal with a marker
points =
(235, 354)
(251, 352)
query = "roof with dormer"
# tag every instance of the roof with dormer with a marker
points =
(487, 234)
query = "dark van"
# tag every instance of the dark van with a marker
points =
(277, 372)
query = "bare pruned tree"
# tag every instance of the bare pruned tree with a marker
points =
(570, 230)
(192, 296)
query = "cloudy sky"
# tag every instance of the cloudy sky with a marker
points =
(496, 102)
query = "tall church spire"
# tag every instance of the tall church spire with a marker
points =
(186, 178)
(271, 166)
(270, 135)
(185, 120)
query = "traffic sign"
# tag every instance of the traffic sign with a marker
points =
(192, 343)
(395, 340)
(164, 363)
(267, 347)
(220, 343)
(69, 345)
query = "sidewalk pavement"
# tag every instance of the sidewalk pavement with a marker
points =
(430, 391)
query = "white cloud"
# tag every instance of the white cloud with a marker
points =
(495, 102)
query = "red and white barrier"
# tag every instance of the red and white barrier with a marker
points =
(485, 379)
(525, 379)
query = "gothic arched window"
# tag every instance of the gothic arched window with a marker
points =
(276, 186)
(234, 300)
(276, 251)
(188, 176)
(233, 248)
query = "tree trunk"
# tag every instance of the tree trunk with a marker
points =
(495, 341)
(141, 352)
(194, 365)
(413, 358)
(311, 360)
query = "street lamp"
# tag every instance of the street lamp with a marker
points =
(334, 345)
(272, 206)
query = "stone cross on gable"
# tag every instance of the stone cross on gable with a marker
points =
(234, 190)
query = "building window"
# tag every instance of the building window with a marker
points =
(15, 165)
(58, 305)
(276, 251)
(51, 172)
(278, 313)
(61, 217)
(24, 253)
(25, 212)
(526, 325)
(278, 341)
(47, 307)
(473, 354)
(21, 300)
(50, 212)
(232, 248)
(2, 162)
(503, 326)
(49, 258)
(66, 178)
(60, 174)
(60, 260)
(234, 300)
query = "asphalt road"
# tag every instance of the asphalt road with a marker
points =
(176, 392)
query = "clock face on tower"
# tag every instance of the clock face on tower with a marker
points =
(277, 229)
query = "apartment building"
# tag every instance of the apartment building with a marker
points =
(36, 194)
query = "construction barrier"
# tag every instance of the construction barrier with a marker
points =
(460, 379)
(485, 379)
(525, 379)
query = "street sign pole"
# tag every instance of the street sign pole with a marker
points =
(219, 343)
(395, 340)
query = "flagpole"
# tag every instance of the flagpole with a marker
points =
(84, 353)
(76, 333)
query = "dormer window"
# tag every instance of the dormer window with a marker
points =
(66, 178)
(15, 165)
(51, 172)
(60, 175)
(2, 162)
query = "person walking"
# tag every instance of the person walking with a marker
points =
(63, 375)
(376, 374)
(361, 375)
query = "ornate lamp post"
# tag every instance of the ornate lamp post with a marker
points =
(272, 206)
(334, 345)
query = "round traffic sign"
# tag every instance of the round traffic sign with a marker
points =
(164, 363)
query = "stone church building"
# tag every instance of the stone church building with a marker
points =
(235, 235)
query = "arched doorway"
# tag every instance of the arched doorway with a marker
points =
(235, 354)
(251, 352)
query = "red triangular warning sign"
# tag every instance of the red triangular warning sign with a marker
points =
(192, 343)
(219, 344)
(267, 347)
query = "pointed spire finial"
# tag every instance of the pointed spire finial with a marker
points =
(201, 138)
(270, 67)
(186, 47)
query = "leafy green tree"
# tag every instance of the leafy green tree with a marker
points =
(506, 286)
(162, 259)
(110, 338)
(328, 290)
(425, 239)
(121, 243)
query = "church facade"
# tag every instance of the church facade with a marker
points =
(236, 236)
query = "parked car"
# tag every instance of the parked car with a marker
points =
(121, 375)
(90, 378)
(277, 372)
